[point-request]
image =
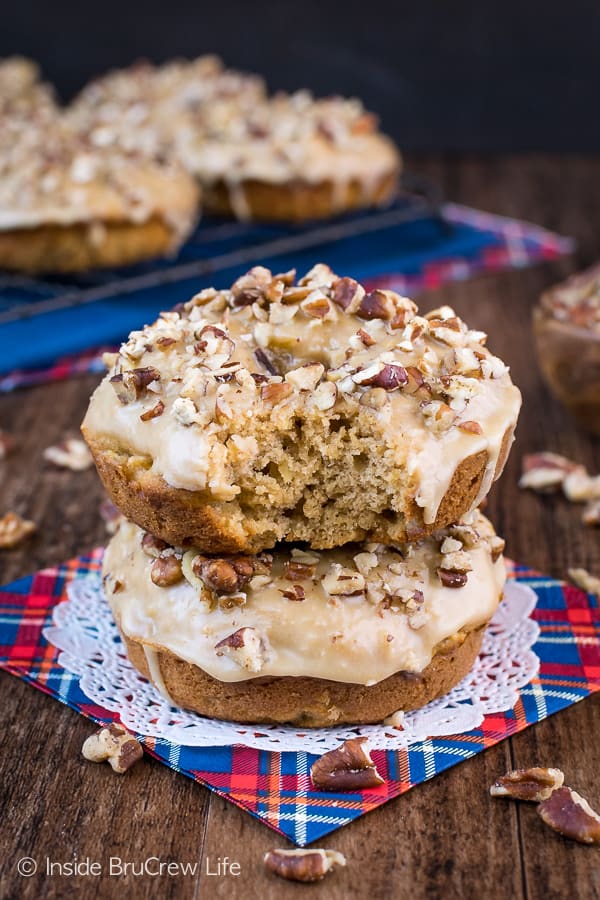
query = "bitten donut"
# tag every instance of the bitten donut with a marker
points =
(307, 411)
(289, 157)
(349, 635)
(68, 205)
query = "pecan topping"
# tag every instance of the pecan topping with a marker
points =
(471, 427)
(275, 391)
(132, 384)
(166, 571)
(69, 454)
(112, 743)
(389, 377)
(303, 865)
(14, 530)
(344, 292)
(376, 305)
(245, 647)
(347, 768)
(153, 546)
(545, 472)
(154, 412)
(568, 813)
(452, 579)
(226, 576)
(295, 592)
(298, 571)
(528, 784)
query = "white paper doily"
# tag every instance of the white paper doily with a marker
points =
(85, 633)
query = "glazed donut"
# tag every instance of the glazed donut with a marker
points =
(348, 635)
(67, 205)
(290, 158)
(301, 411)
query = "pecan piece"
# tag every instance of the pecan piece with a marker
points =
(346, 291)
(153, 413)
(470, 427)
(166, 571)
(245, 647)
(390, 377)
(226, 576)
(69, 454)
(452, 579)
(295, 592)
(153, 546)
(298, 571)
(347, 768)
(545, 472)
(275, 391)
(114, 744)
(571, 815)
(14, 530)
(376, 305)
(534, 784)
(132, 384)
(303, 865)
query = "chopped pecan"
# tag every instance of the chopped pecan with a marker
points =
(533, 784)
(375, 398)
(347, 768)
(153, 413)
(69, 454)
(545, 472)
(306, 378)
(325, 395)
(226, 576)
(275, 391)
(114, 744)
(132, 384)
(298, 571)
(347, 293)
(251, 287)
(470, 427)
(14, 530)
(303, 865)
(153, 546)
(496, 545)
(568, 813)
(316, 305)
(377, 305)
(367, 339)
(166, 571)
(452, 579)
(591, 513)
(245, 647)
(586, 581)
(110, 515)
(386, 376)
(295, 593)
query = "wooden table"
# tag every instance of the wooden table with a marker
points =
(446, 838)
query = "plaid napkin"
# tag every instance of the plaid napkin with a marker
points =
(275, 787)
(409, 256)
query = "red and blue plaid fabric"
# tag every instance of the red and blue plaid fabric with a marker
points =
(275, 787)
(480, 242)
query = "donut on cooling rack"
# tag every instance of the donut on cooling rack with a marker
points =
(289, 157)
(307, 410)
(306, 637)
(67, 205)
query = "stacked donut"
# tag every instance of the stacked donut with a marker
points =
(299, 464)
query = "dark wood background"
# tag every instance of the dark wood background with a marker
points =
(462, 75)
(446, 838)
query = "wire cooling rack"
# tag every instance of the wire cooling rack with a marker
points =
(216, 247)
